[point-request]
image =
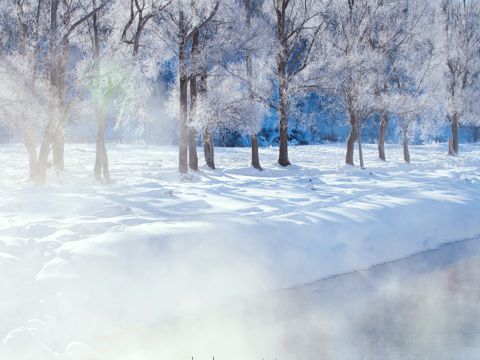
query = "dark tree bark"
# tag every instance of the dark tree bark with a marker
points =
(283, 113)
(382, 133)
(359, 141)
(192, 142)
(351, 140)
(282, 59)
(406, 152)
(208, 148)
(248, 62)
(255, 157)
(182, 141)
(453, 150)
(137, 11)
(183, 38)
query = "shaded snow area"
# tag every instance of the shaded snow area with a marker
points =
(229, 263)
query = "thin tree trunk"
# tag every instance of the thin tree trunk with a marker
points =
(59, 140)
(192, 150)
(192, 143)
(208, 149)
(42, 163)
(100, 170)
(31, 148)
(283, 149)
(359, 140)
(49, 136)
(454, 144)
(351, 140)
(248, 62)
(255, 157)
(406, 152)
(182, 141)
(381, 136)
(59, 151)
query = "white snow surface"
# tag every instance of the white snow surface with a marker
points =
(80, 260)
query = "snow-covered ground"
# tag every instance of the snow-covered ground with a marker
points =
(81, 262)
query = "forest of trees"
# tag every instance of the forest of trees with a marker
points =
(414, 62)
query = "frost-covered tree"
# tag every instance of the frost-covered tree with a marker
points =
(118, 69)
(298, 25)
(64, 19)
(353, 77)
(183, 20)
(399, 34)
(408, 86)
(461, 43)
(20, 31)
(233, 61)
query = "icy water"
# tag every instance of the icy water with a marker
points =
(426, 306)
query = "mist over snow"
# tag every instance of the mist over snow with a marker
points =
(224, 263)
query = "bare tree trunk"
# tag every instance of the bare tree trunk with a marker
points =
(29, 141)
(283, 150)
(59, 151)
(101, 170)
(406, 152)
(192, 143)
(381, 136)
(42, 163)
(454, 144)
(359, 140)
(248, 62)
(351, 140)
(49, 136)
(192, 150)
(208, 149)
(182, 141)
(255, 157)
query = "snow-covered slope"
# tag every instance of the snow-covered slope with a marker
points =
(80, 260)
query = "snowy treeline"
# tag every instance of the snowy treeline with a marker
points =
(412, 61)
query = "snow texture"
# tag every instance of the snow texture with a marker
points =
(81, 261)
